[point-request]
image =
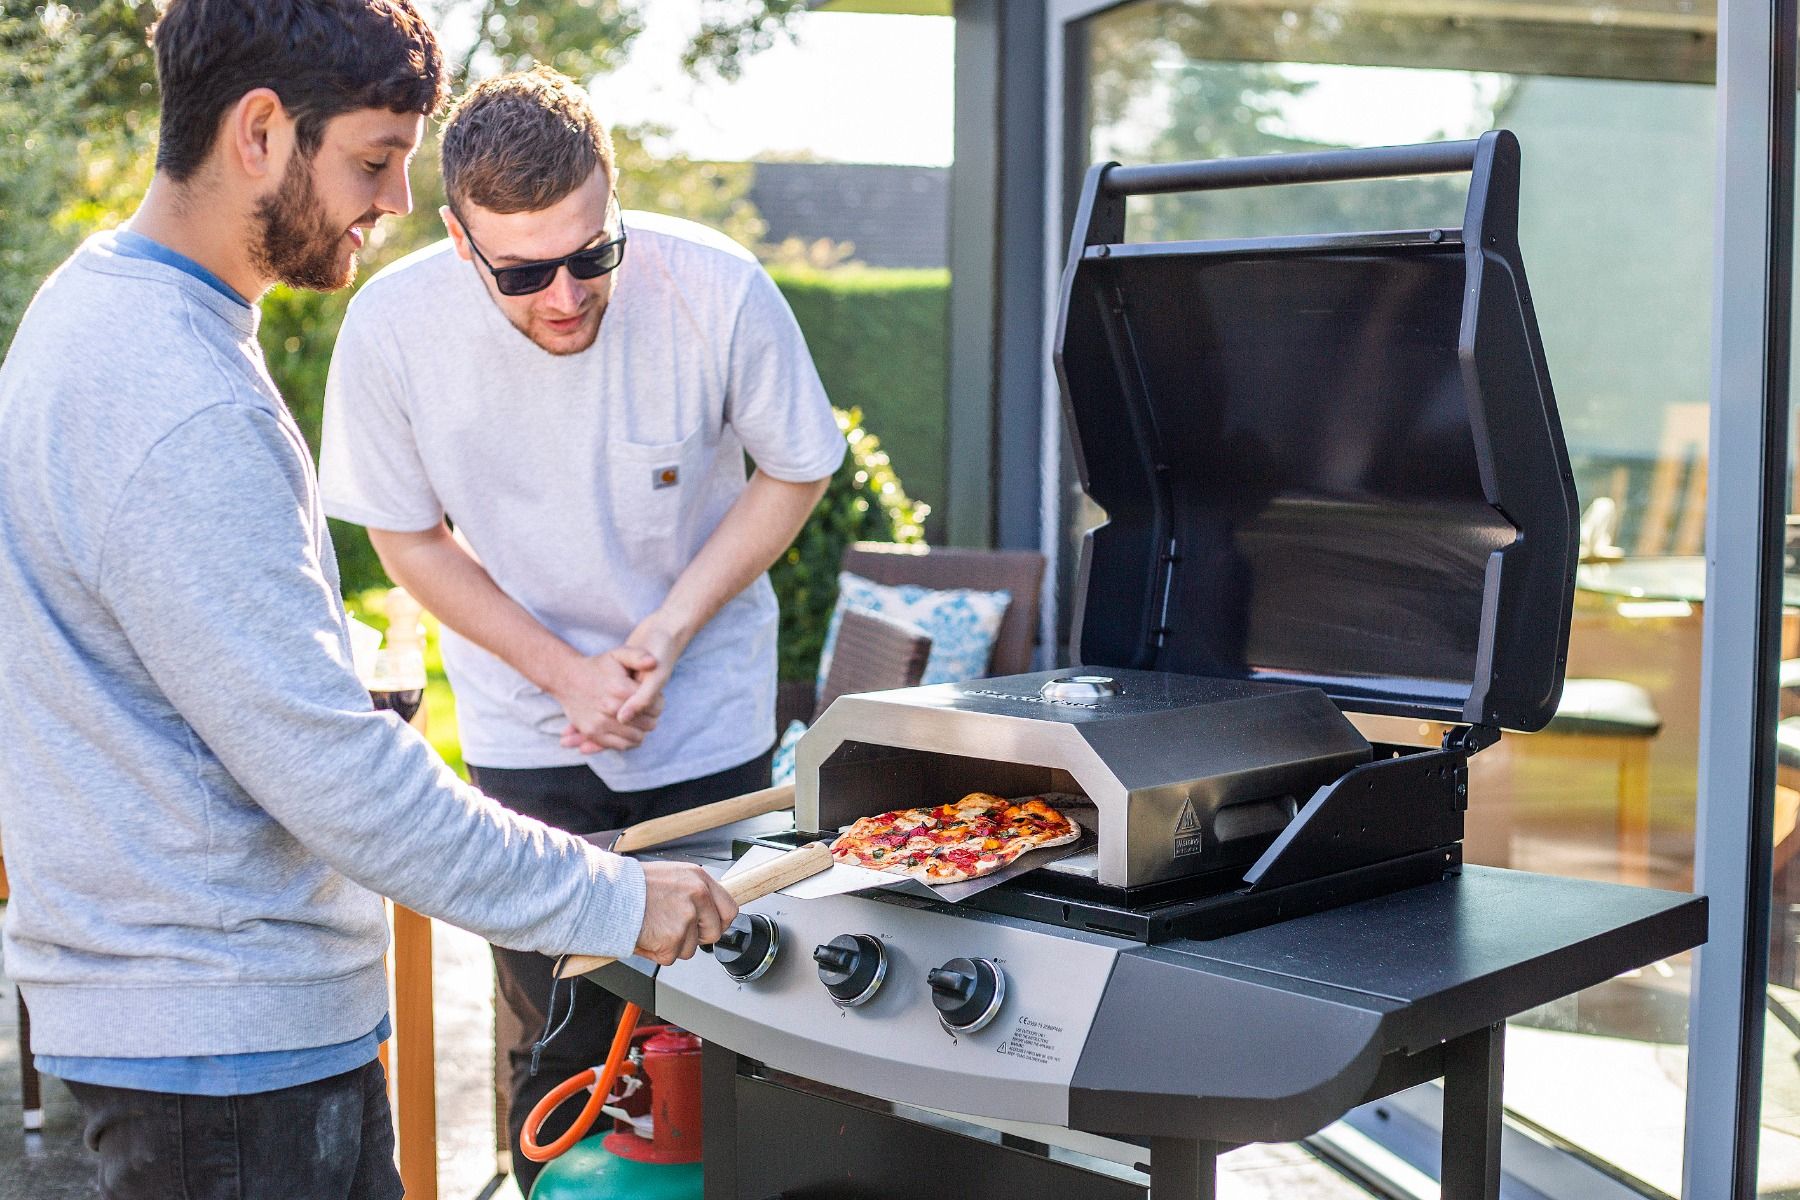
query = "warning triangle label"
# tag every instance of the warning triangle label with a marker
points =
(1190, 821)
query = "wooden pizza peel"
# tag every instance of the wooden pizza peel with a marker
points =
(809, 872)
(846, 878)
(659, 831)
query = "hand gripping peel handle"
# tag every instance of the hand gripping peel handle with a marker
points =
(750, 885)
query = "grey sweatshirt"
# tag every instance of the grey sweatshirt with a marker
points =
(197, 803)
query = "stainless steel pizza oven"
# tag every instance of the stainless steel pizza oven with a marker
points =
(1187, 775)
(1334, 481)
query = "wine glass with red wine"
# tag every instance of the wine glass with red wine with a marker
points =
(398, 682)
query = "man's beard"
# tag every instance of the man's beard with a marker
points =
(563, 350)
(298, 244)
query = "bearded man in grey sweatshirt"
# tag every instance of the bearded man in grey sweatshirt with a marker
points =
(200, 810)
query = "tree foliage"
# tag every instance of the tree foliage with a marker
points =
(1162, 93)
(580, 38)
(732, 30)
(76, 85)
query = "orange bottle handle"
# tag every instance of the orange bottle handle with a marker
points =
(590, 1112)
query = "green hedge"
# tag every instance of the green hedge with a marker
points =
(864, 502)
(880, 339)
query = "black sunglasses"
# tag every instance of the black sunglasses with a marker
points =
(527, 278)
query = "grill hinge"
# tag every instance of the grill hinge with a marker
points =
(1470, 739)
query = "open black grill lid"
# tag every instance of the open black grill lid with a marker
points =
(1333, 460)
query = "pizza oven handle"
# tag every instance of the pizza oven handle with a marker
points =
(1324, 166)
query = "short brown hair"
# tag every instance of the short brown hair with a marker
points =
(322, 57)
(521, 142)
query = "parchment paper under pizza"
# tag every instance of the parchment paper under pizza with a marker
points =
(976, 836)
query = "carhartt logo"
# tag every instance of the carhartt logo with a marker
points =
(1190, 834)
(665, 477)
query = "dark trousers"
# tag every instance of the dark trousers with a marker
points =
(328, 1140)
(574, 798)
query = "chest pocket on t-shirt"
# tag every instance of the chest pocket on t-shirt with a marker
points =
(651, 486)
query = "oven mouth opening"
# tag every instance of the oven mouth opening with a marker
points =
(863, 778)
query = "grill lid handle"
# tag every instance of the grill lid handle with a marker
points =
(1267, 170)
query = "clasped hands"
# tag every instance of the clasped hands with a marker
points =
(614, 698)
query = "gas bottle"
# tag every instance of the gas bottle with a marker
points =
(664, 1166)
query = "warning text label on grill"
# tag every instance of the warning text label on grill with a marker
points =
(1190, 835)
(1033, 1041)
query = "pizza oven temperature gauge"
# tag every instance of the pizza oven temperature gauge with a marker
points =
(967, 992)
(747, 947)
(852, 966)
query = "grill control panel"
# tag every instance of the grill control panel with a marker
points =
(904, 1001)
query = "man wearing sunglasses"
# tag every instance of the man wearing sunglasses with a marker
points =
(575, 387)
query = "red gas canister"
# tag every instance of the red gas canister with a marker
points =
(671, 1066)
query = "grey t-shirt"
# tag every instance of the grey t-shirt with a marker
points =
(586, 483)
(199, 806)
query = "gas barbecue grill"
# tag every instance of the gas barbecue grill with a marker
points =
(1335, 482)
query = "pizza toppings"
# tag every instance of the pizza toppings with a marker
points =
(949, 843)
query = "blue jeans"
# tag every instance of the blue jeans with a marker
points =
(332, 1139)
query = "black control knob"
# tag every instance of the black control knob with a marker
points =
(747, 947)
(852, 966)
(967, 992)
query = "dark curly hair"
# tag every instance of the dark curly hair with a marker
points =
(322, 57)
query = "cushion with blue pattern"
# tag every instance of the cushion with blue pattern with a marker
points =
(961, 622)
(782, 769)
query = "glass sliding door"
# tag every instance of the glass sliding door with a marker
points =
(1614, 107)
(1779, 1173)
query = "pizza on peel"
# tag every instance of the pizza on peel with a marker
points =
(976, 836)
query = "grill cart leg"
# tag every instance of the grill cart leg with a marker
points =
(1184, 1170)
(718, 1101)
(1472, 1077)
